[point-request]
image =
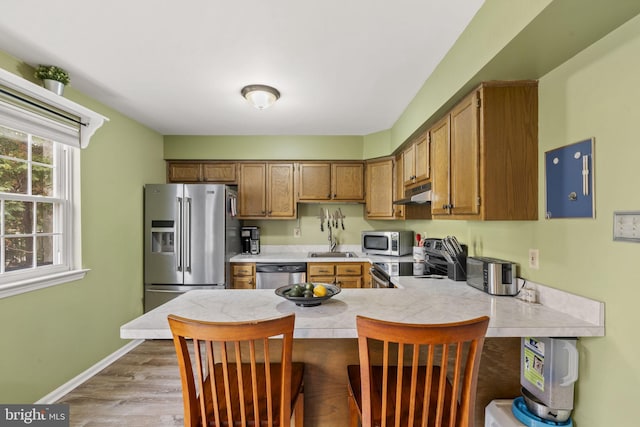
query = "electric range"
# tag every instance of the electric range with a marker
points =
(383, 271)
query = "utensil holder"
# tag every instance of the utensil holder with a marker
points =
(457, 270)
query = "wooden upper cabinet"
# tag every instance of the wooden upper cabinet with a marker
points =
(330, 181)
(280, 190)
(464, 161)
(415, 161)
(440, 167)
(347, 181)
(266, 190)
(314, 181)
(184, 172)
(204, 171)
(398, 186)
(219, 172)
(380, 189)
(252, 195)
(484, 155)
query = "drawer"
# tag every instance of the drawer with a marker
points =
(322, 279)
(243, 269)
(344, 269)
(319, 269)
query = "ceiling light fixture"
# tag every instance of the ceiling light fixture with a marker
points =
(260, 96)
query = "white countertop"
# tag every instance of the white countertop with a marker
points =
(416, 300)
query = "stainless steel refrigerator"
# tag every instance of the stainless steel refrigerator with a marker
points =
(190, 232)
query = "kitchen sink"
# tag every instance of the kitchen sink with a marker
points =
(332, 255)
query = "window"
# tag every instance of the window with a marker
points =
(32, 201)
(41, 135)
(36, 207)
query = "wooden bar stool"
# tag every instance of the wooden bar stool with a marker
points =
(238, 377)
(426, 375)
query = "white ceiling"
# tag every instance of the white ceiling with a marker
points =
(343, 67)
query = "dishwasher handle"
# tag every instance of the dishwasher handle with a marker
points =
(281, 268)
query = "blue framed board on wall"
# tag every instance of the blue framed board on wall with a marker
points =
(569, 181)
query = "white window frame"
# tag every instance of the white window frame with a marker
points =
(20, 281)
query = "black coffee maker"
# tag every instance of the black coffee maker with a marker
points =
(250, 236)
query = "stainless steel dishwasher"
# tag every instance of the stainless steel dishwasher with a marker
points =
(275, 275)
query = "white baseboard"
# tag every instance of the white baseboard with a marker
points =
(65, 388)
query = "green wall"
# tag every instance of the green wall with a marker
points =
(250, 147)
(51, 335)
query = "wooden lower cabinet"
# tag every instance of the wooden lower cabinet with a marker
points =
(343, 274)
(243, 275)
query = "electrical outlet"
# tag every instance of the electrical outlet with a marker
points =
(534, 259)
(297, 232)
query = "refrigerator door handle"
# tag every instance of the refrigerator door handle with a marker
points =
(187, 234)
(179, 234)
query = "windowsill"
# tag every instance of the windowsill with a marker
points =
(28, 285)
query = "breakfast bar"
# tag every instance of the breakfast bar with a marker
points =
(326, 334)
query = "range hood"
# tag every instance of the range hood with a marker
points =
(416, 195)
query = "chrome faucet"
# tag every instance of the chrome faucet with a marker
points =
(333, 242)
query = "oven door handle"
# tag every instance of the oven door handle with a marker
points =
(378, 281)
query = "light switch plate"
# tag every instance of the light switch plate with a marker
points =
(626, 226)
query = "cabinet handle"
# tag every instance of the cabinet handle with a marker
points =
(270, 212)
(334, 195)
(329, 196)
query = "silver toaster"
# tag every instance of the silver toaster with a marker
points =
(492, 275)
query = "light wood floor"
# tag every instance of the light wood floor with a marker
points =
(140, 389)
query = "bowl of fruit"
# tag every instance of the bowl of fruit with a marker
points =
(308, 294)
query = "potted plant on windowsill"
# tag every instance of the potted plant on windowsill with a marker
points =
(54, 78)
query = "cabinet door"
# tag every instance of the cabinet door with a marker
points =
(349, 281)
(219, 172)
(465, 157)
(379, 189)
(243, 282)
(398, 184)
(314, 181)
(252, 190)
(280, 190)
(409, 165)
(440, 167)
(422, 158)
(347, 181)
(183, 172)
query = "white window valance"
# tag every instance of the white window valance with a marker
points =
(45, 113)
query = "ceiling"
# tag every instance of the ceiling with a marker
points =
(342, 67)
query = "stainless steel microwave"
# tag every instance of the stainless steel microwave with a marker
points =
(392, 243)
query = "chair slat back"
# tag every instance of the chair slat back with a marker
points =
(428, 372)
(234, 359)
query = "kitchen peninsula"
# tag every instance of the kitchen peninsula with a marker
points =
(325, 335)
